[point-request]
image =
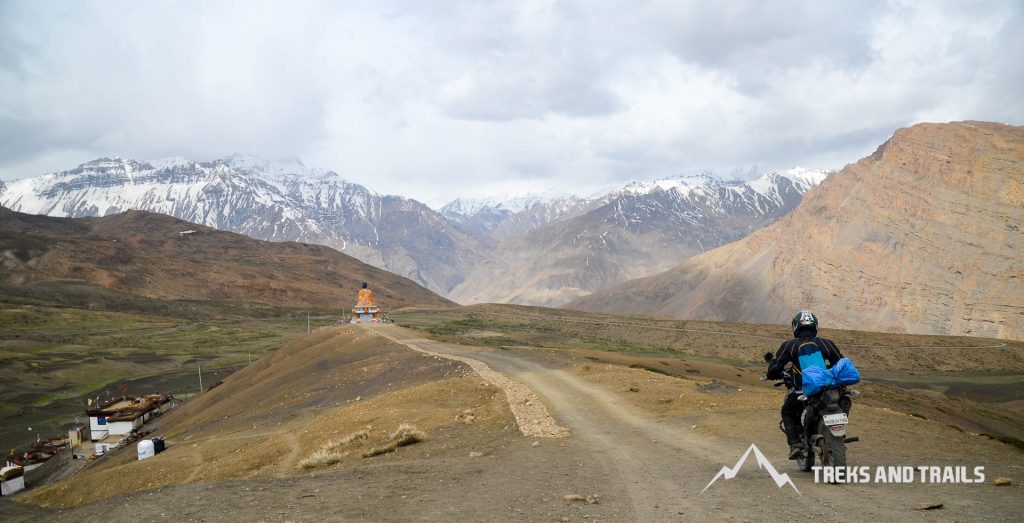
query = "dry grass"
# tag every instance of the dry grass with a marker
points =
(351, 438)
(330, 454)
(334, 451)
(405, 435)
(322, 458)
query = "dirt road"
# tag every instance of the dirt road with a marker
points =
(661, 465)
(641, 444)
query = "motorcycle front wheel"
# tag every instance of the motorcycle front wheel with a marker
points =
(806, 463)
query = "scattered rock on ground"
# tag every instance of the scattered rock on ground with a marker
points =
(928, 506)
(717, 387)
(475, 454)
(1002, 482)
(574, 497)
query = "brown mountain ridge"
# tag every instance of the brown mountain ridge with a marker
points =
(158, 256)
(923, 236)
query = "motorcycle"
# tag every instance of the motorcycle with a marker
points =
(824, 421)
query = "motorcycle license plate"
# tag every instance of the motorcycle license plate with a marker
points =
(835, 419)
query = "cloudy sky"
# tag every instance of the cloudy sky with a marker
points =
(471, 98)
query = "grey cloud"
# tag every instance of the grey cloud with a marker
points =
(521, 62)
(433, 100)
(755, 37)
(140, 80)
(556, 88)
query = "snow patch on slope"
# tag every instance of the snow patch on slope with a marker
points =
(461, 209)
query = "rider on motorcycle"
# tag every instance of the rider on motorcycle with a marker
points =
(805, 350)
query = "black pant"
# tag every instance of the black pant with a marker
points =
(792, 409)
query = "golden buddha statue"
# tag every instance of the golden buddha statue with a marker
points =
(366, 309)
(365, 297)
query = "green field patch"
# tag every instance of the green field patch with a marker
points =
(58, 346)
(73, 321)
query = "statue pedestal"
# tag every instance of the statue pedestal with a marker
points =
(365, 314)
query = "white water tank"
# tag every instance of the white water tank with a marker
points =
(146, 449)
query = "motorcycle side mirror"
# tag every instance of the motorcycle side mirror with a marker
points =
(768, 357)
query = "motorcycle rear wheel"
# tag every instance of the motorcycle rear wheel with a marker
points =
(833, 448)
(837, 450)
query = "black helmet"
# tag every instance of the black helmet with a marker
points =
(804, 320)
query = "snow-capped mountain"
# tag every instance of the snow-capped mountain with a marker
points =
(498, 217)
(771, 186)
(642, 229)
(530, 248)
(681, 184)
(280, 201)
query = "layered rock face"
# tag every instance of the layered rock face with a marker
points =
(923, 236)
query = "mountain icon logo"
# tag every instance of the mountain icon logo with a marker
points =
(762, 463)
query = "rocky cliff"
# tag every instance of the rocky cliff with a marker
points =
(923, 236)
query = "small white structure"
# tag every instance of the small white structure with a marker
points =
(120, 428)
(101, 425)
(122, 415)
(12, 480)
(103, 447)
(146, 449)
(98, 427)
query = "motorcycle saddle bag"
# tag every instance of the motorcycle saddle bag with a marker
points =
(844, 372)
(816, 379)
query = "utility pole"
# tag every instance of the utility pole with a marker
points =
(200, 375)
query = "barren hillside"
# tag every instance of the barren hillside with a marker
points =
(162, 257)
(923, 236)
